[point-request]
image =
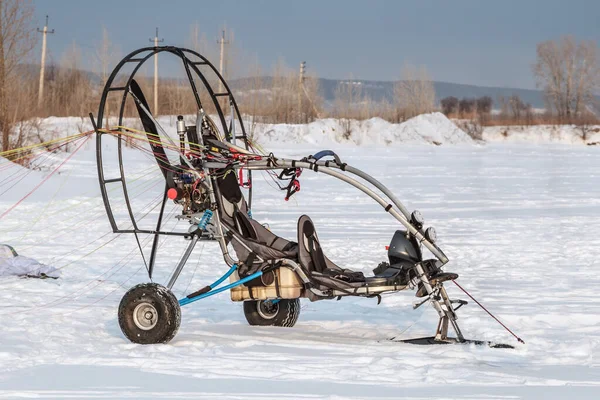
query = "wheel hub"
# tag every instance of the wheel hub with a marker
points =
(145, 316)
(267, 309)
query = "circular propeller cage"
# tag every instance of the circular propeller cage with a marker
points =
(209, 90)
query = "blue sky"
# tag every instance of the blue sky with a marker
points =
(464, 41)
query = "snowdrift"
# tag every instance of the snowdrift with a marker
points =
(434, 128)
(542, 134)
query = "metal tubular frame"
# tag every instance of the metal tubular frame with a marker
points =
(182, 262)
(138, 58)
(328, 170)
(438, 296)
(444, 308)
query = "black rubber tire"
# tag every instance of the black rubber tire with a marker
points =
(285, 314)
(161, 303)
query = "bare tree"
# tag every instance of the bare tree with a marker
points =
(254, 99)
(284, 94)
(106, 55)
(230, 66)
(17, 39)
(585, 124)
(197, 41)
(348, 96)
(484, 105)
(384, 109)
(311, 91)
(569, 72)
(415, 93)
(518, 108)
(70, 91)
(466, 107)
(102, 56)
(513, 110)
(472, 127)
(449, 105)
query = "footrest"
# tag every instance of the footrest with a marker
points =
(205, 289)
(443, 277)
(434, 280)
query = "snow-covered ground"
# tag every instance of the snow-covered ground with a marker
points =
(520, 224)
(563, 134)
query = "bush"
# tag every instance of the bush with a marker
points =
(449, 105)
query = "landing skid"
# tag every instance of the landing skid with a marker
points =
(431, 340)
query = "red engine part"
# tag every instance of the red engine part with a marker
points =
(173, 194)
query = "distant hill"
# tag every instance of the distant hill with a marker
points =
(379, 90)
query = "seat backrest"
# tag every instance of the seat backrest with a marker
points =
(233, 206)
(258, 240)
(310, 253)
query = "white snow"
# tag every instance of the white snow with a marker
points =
(542, 134)
(518, 222)
(434, 128)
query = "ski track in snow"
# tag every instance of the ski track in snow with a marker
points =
(519, 223)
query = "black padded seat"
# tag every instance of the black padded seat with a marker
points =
(257, 239)
(260, 241)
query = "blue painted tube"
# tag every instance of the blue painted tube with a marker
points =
(221, 279)
(186, 301)
(323, 153)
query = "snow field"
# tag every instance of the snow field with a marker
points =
(518, 223)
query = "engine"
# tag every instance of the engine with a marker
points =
(189, 191)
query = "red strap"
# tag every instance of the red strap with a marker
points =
(484, 309)
(243, 184)
(45, 179)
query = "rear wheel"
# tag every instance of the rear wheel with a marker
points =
(149, 313)
(284, 312)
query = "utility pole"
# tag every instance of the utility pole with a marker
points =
(301, 88)
(302, 72)
(44, 32)
(222, 42)
(156, 42)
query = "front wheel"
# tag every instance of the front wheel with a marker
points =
(149, 313)
(284, 312)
